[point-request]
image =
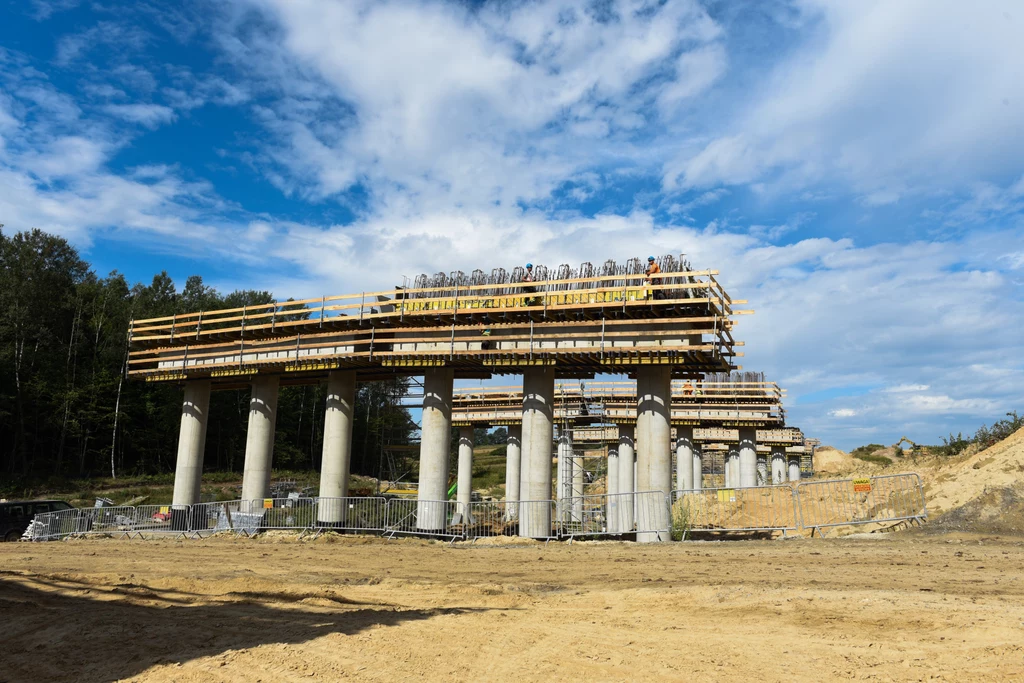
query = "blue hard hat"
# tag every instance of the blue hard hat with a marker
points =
(529, 265)
(650, 258)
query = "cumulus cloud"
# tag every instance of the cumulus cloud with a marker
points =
(889, 97)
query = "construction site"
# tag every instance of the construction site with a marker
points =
(653, 490)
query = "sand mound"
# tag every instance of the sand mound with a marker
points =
(998, 510)
(954, 484)
(829, 461)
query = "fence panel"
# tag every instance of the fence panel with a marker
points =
(759, 508)
(490, 519)
(614, 514)
(54, 526)
(160, 519)
(351, 514)
(289, 514)
(843, 502)
(423, 517)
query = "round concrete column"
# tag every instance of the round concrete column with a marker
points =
(335, 463)
(732, 466)
(684, 458)
(577, 485)
(513, 454)
(435, 441)
(794, 468)
(698, 468)
(627, 483)
(465, 490)
(762, 469)
(259, 439)
(188, 471)
(538, 435)
(653, 454)
(778, 465)
(563, 475)
(748, 457)
(612, 487)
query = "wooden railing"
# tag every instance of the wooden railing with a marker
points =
(414, 305)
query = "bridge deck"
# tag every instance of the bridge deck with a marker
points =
(581, 326)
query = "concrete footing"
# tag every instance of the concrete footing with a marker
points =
(259, 439)
(335, 463)
(538, 432)
(188, 471)
(435, 439)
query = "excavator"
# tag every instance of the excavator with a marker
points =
(914, 448)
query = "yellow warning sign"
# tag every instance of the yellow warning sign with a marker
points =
(268, 503)
(862, 485)
(164, 509)
(726, 495)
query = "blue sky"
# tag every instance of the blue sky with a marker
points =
(855, 170)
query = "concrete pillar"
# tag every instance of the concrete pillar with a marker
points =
(464, 493)
(684, 458)
(732, 466)
(748, 457)
(188, 471)
(698, 468)
(259, 439)
(513, 453)
(612, 487)
(627, 483)
(435, 441)
(762, 470)
(335, 463)
(577, 485)
(653, 453)
(778, 465)
(563, 470)
(794, 468)
(538, 433)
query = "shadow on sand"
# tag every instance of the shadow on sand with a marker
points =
(66, 630)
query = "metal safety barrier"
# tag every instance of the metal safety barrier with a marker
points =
(351, 514)
(844, 502)
(423, 518)
(652, 515)
(760, 508)
(491, 519)
(615, 514)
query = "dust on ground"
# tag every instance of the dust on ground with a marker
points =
(281, 609)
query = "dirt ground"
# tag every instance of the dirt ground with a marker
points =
(899, 607)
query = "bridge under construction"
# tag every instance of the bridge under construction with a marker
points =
(574, 325)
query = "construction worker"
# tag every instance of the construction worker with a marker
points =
(653, 269)
(687, 389)
(528, 277)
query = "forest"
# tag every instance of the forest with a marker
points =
(68, 411)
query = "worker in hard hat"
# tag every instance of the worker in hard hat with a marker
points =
(528, 277)
(653, 269)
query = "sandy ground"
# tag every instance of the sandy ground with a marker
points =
(899, 607)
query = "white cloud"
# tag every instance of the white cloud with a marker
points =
(888, 97)
(843, 412)
(905, 388)
(148, 115)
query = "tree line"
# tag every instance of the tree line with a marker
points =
(67, 409)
